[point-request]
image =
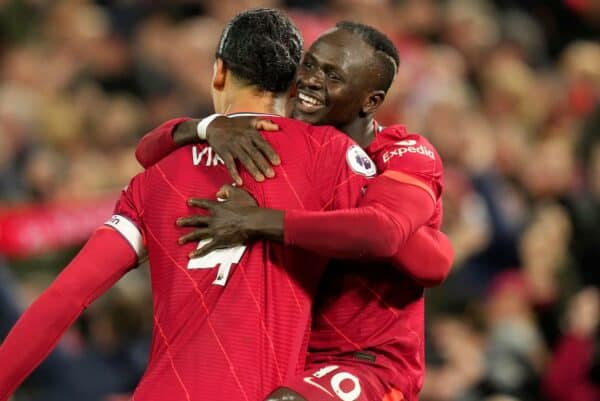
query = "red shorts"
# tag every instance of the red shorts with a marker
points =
(339, 381)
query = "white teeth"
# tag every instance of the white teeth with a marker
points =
(308, 99)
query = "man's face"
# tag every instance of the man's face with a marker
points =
(333, 79)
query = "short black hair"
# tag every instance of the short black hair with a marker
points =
(381, 44)
(262, 47)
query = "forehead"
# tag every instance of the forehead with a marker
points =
(342, 49)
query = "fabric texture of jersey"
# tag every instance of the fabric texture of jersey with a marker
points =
(373, 307)
(240, 338)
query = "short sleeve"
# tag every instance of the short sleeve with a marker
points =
(128, 212)
(410, 159)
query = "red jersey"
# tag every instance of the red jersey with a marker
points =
(232, 325)
(375, 313)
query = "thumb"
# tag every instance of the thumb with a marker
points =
(266, 125)
(224, 192)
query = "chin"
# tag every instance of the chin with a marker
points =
(306, 117)
(310, 118)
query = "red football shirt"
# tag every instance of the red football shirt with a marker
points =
(233, 324)
(376, 308)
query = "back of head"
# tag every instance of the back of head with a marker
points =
(384, 49)
(262, 47)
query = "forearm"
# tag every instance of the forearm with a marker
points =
(185, 132)
(102, 261)
(164, 139)
(267, 224)
(426, 257)
(360, 233)
(387, 216)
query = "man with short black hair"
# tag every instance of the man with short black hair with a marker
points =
(230, 325)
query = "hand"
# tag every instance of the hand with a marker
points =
(239, 139)
(227, 225)
(233, 221)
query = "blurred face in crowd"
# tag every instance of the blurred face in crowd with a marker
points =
(333, 81)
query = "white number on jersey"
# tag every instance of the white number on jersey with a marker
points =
(224, 258)
(336, 383)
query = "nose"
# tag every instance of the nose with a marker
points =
(313, 81)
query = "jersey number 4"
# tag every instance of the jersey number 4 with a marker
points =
(224, 258)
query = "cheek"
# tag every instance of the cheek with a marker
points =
(342, 99)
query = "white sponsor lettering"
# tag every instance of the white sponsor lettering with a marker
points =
(399, 152)
(207, 155)
(360, 162)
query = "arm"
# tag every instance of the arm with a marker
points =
(232, 139)
(394, 206)
(426, 257)
(164, 139)
(103, 261)
(389, 214)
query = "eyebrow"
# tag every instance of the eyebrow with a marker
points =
(324, 64)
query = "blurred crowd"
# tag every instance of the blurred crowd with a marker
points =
(508, 92)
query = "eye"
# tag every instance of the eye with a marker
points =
(307, 65)
(334, 76)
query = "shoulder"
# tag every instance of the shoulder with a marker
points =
(181, 157)
(292, 125)
(322, 133)
(399, 136)
(395, 147)
(317, 138)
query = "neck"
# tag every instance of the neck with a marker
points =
(252, 100)
(360, 130)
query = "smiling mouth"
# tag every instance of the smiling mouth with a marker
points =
(307, 103)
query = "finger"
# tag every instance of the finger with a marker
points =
(195, 236)
(229, 161)
(244, 158)
(264, 146)
(204, 250)
(202, 203)
(259, 159)
(225, 192)
(266, 125)
(193, 221)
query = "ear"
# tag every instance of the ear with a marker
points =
(372, 102)
(219, 74)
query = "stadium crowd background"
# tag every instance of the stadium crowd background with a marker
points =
(508, 92)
